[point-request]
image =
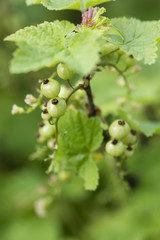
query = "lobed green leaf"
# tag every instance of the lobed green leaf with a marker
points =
(69, 4)
(89, 172)
(78, 137)
(148, 128)
(31, 2)
(51, 43)
(136, 38)
(79, 134)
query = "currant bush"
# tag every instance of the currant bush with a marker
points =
(75, 127)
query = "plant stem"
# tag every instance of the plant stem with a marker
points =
(112, 65)
(121, 72)
(56, 134)
(87, 88)
(69, 83)
(53, 75)
(80, 86)
(112, 51)
(122, 171)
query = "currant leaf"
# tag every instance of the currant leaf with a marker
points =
(89, 172)
(31, 2)
(38, 47)
(136, 38)
(69, 4)
(149, 128)
(78, 138)
(82, 54)
(47, 44)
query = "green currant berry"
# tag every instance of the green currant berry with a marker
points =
(78, 96)
(130, 61)
(63, 175)
(115, 148)
(47, 130)
(64, 71)
(131, 138)
(44, 105)
(128, 152)
(108, 48)
(40, 138)
(50, 88)
(81, 93)
(64, 92)
(56, 107)
(45, 115)
(119, 129)
(120, 52)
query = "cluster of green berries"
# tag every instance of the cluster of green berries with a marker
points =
(122, 139)
(56, 106)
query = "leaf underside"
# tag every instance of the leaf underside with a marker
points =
(69, 4)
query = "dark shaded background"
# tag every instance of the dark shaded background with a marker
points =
(110, 212)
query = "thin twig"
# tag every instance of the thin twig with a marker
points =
(122, 171)
(80, 86)
(87, 88)
(69, 83)
(121, 72)
(53, 75)
(56, 134)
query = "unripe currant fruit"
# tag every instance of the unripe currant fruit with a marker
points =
(56, 107)
(64, 92)
(39, 137)
(131, 138)
(50, 88)
(64, 71)
(115, 148)
(119, 129)
(120, 52)
(108, 48)
(130, 61)
(78, 95)
(45, 115)
(128, 152)
(47, 130)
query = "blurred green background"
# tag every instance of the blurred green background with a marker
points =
(110, 213)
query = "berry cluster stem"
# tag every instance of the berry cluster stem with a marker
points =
(121, 73)
(56, 134)
(122, 172)
(80, 86)
(87, 88)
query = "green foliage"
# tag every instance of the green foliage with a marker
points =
(30, 2)
(89, 172)
(109, 211)
(136, 38)
(78, 138)
(47, 44)
(69, 4)
(38, 46)
(148, 128)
